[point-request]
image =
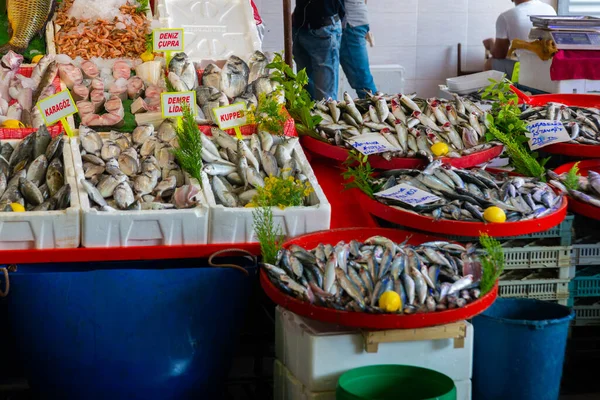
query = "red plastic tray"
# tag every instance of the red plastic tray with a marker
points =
(460, 228)
(581, 100)
(575, 205)
(340, 154)
(366, 320)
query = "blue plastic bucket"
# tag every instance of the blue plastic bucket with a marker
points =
(128, 330)
(519, 350)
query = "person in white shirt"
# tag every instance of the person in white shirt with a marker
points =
(512, 24)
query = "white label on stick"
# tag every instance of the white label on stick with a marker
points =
(57, 107)
(167, 40)
(408, 194)
(544, 132)
(371, 144)
(232, 116)
(172, 103)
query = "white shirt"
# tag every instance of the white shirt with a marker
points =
(515, 23)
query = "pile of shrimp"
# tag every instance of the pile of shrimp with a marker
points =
(101, 38)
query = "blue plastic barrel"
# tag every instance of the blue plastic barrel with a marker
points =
(128, 330)
(519, 350)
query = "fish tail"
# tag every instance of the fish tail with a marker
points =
(9, 46)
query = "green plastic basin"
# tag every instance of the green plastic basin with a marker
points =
(397, 382)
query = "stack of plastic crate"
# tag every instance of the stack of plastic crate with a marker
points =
(585, 287)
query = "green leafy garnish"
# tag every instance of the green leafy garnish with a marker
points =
(270, 236)
(269, 114)
(504, 124)
(298, 101)
(359, 173)
(143, 7)
(189, 152)
(150, 44)
(572, 180)
(492, 262)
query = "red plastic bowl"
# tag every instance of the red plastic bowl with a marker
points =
(340, 154)
(460, 228)
(366, 320)
(575, 205)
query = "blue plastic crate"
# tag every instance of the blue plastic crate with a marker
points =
(586, 283)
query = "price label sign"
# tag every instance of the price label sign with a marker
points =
(544, 132)
(57, 108)
(171, 103)
(164, 40)
(408, 194)
(231, 117)
(372, 144)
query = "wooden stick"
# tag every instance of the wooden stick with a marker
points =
(287, 31)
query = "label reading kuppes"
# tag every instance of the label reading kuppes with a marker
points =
(408, 194)
(167, 40)
(232, 116)
(544, 132)
(56, 107)
(171, 103)
(372, 144)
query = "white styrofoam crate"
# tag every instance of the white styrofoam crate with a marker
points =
(287, 387)
(541, 289)
(317, 353)
(535, 74)
(388, 79)
(139, 228)
(44, 229)
(236, 225)
(586, 254)
(473, 82)
(213, 30)
(534, 257)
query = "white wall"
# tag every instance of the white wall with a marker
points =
(420, 35)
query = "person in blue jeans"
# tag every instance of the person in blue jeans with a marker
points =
(317, 36)
(353, 51)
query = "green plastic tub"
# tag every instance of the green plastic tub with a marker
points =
(394, 382)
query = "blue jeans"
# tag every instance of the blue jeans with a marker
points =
(318, 50)
(355, 59)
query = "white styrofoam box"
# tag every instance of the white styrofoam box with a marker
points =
(139, 228)
(388, 79)
(287, 387)
(318, 353)
(44, 229)
(236, 225)
(535, 74)
(473, 82)
(213, 29)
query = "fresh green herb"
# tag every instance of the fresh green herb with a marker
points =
(572, 180)
(504, 124)
(281, 192)
(189, 152)
(298, 101)
(492, 262)
(270, 115)
(150, 44)
(170, 87)
(143, 7)
(270, 236)
(359, 173)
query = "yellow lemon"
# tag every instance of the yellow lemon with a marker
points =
(12, 123)
(494, 214)
(390, 301)
(16, 207)
(440, 149)
(147, 56)
(37, 59)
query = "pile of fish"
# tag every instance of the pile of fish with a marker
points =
(78, 35)
(100, 91)
(19, 94)
(589, 187)
(237, 167)
(235, 82)
(135, 171)
(465, 194)
(582, 123)
(433, 276)
(32, 174)
(409, 124)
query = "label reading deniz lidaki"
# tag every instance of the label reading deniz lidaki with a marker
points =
(408, 194)
(57, 107)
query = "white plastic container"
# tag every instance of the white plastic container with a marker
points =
(317, 353)
(213, 30)
(139, 228)
(236, 225)
(388, 78)
(44, 229)
(471, 83)
(535, 73)
(540, 289)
